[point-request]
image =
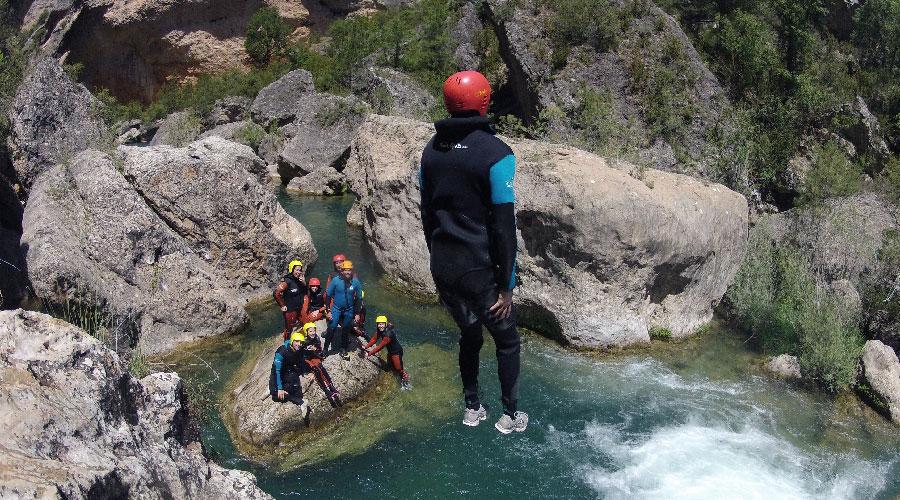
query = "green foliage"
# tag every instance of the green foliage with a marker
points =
(201, 397)
(582, 22)
(778, 300)
(15, 49)
(138, 364)
(250, 135)
(832, 174)
(877, 32)
(336, 112)
(596, 123)
(266, 36)
(891, 174)
(660, 333)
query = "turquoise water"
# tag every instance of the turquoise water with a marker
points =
(689, 420)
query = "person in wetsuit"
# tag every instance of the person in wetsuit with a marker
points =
(385, 336)
(312, 355)
(289, 295)
(287, 369)
(314, 309)
(469, 221)
(346, 296)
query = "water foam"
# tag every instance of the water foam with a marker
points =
(697, 461)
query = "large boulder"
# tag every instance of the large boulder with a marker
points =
(75, 424)
(51, 119)
(178, 129)
(785, 366)
(325, 181)
(163, 256)
(214, 194)
(881, 378)
(320, 134)
(606, 251)
(278, 102)
(260, 422)
(227, 110)
(391, 92)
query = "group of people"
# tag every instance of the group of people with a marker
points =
(466, 181)
(340, 311)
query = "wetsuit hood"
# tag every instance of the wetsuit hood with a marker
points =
(457, 125)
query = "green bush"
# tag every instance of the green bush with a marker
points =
(778, 300)
(660, 333)
(832, 174)
(582, 22)
(891, 175)
(250, 135)
(266, 36)
(14, 54)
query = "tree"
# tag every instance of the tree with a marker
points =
(266, 36)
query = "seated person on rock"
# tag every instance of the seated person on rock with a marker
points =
(385, 336)
(346, 295)
(312, 355)
(289, 295)
(314, 309)
(287, 369)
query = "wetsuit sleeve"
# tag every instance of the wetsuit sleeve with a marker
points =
(304, 310)
(427, 218)
(279, 361)
(329, 292)
(503, 221)
(385, 340)
(279, 292)
(371, 341)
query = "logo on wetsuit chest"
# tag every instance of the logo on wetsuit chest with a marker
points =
(446, 145)
(294, 290)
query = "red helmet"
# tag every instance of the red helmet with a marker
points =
(315, 282)
(338, 258)
(467, 91)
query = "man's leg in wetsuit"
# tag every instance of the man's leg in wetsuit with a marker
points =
(330, 333)
(470, 342)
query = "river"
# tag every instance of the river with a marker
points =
(692, 419)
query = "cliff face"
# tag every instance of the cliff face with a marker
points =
(132, 47)
(74, 423)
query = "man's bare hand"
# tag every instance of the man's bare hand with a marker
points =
(283, 308)
(503, 307)
(282, 395)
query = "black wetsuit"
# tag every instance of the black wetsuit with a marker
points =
(468, 216)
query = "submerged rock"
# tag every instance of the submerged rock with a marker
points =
(258, 421)
(881, 372)
(785, 366)
(324, 181)
(167, 243)
(606, 251)
(76, 424)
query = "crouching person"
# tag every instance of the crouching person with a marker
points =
(312, 354)
(385, 336)
(287, 369)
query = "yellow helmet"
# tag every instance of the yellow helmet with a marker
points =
(297, 335)
(293, 264)
(307, 326)
(381, 319)
(347, 264)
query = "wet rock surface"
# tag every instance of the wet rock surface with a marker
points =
(785, 366)
(74, 423)
(881, 371)
(606, 250)
(259, 421)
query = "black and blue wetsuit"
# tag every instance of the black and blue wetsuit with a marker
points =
(287, 368)
(468, 215)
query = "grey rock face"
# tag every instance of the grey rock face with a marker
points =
(277, 102)
(92, 238)
(214, 194)
(76, 424)
(51, 119)
(785, 366)
(526, 47)
(465, 54)
(325, 181)
(390, 92)
(603, 256)
(178, 129)
(881, 371)
(170, 242)
(320, 134)
(262, 422)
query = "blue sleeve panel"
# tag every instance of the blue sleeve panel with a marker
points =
(278, 362)
(503, 175)
(503, 221)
